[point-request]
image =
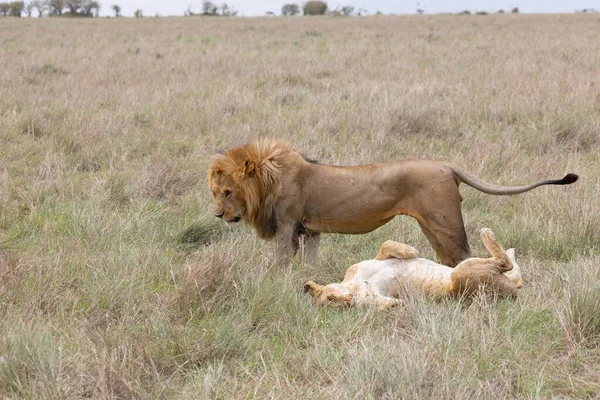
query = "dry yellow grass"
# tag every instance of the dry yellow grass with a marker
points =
(113, 284)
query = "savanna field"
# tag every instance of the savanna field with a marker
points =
(116, 281)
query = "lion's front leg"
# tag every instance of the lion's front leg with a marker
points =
(307, 243)
(284, 241)
(311, 248)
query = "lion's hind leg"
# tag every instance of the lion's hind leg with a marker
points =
(391, 249)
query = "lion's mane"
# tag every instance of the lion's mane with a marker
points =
(255, 169)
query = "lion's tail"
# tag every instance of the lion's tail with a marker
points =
(489, 188)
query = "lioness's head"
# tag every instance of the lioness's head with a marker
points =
(333, 295)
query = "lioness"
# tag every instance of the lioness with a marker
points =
(378, 282)
(284, 196)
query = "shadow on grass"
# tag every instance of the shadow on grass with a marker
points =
(200, 233)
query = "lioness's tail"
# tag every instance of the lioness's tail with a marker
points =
(489, 188)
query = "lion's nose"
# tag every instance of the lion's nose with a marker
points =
(220, 215)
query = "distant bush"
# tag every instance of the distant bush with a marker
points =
(290, 9)
(464, 12)
(500, 11)
(347, 10)
(315, 8)
(481, 13)
(138, 13)
(515, 10)
(211, 9)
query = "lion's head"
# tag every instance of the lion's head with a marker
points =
(244, 182)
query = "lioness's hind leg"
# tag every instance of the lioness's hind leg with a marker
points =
(491, 243)
(481, 273)
(392, 249)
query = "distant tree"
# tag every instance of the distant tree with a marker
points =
(420, 11)
(347, 10)
(117, 9)
(188, 12)
(500, 11)
(208, 8)
(92, 9)
(315, 8)
(16, 8)
(83, 8)
(362, 11)
(290, 9)
(29, 9)
(138, 14)
(4, 9)
(515, 10)
(227, 10)
(39, 6)
(73, 6)
(55, 7)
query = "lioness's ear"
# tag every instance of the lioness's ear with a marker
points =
(248, 167)
(347, 299)
(311, 288)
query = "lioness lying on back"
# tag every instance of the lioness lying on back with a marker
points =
(376, 282)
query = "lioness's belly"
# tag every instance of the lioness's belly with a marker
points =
(433, 278)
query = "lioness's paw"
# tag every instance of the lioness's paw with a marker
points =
(487, 234)
(390, 304)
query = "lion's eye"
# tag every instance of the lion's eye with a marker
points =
(227, 193)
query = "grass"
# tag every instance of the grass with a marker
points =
(117, 282)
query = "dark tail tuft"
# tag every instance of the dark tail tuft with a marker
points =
(569, 178)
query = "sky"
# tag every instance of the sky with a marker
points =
(251, 8)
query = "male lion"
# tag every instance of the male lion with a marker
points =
(284, 196)
(379, 282)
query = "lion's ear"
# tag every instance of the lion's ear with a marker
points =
(248, 167)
